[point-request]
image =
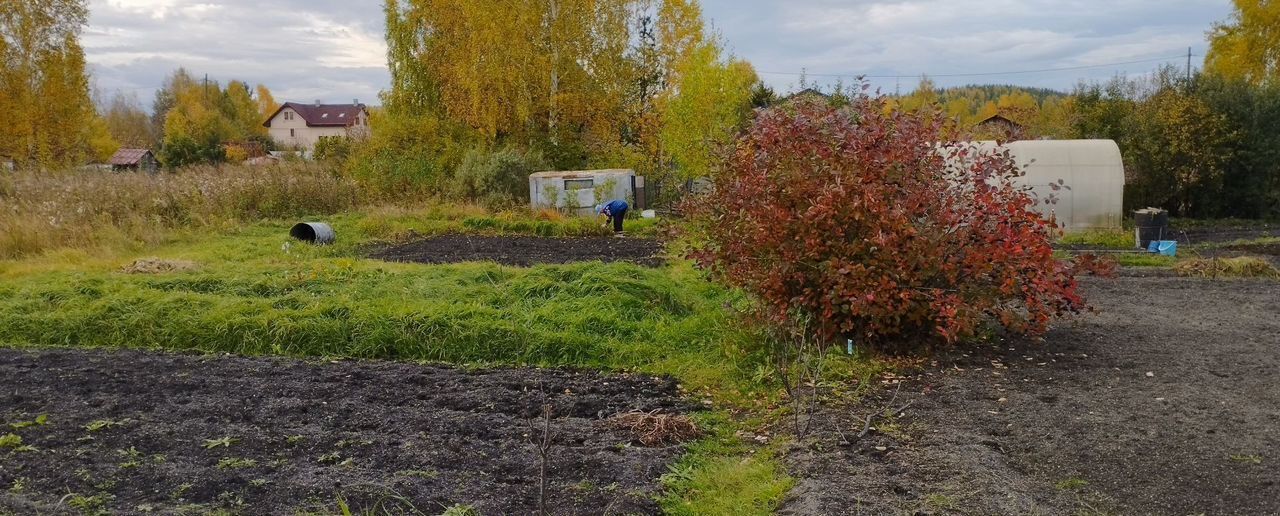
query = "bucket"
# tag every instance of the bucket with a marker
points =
(317, 233)
(1163, 247)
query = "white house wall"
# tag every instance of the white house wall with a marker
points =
(295, 133)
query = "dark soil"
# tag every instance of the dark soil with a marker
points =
(1263, 249)
(1225, 233)
(524, 250)
(1167, 401)
(394, 438)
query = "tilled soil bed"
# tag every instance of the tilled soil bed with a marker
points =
(134, 432)
(524, 250)
(1224, 233)
(1165, 402)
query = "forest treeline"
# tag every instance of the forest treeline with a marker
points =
(481, 93)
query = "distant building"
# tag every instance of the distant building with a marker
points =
(997, 127)
(134, 159)
(807, 94)
(300, 126)
(578, 192)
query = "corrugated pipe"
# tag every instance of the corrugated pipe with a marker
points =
(317, 233)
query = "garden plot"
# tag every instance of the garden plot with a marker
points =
(1225, 232)
(1164, 402)
(524, 250)
(135, 432)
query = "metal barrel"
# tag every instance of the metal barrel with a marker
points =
(317, 233)
(1150, 224)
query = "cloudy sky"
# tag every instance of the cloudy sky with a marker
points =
(333, 50)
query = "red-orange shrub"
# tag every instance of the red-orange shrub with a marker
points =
(853, 219)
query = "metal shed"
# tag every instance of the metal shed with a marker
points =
(579, 191)
(1091, 174)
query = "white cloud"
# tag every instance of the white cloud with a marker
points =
(303, 50)
(948, 37)
(334, 49)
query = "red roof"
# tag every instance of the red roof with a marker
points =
(127, 157)
(322, 115)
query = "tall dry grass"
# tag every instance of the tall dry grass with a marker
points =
(41, 211)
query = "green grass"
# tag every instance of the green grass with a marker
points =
(253, 291)
(1134, 259)
(1071, 484)
(1143, 260)
(1113, 238)
(720, 475)
(250, 297)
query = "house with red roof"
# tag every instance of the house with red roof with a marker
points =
(299, 126)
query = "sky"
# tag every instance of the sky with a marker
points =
(333, 50)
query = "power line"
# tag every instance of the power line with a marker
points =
(982, 74)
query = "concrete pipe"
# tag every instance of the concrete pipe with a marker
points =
(317, 233)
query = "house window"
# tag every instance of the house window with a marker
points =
(291, 135)
(579, 184)
(288, 115)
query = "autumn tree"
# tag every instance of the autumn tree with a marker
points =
(201, 117)
(1055, 118)
(44, 88)
(267, 104)
(924, 97)
(1251, 182)
(1176, 154)
(1248, 46)
(712, 102)
(242, 111)
(128, 123)
(680, 32)
(521, 71)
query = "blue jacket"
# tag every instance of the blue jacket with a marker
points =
(614, 206)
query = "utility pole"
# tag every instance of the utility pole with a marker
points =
(1188, 65)
(205, 87)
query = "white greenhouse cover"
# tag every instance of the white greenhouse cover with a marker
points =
(1091, 193)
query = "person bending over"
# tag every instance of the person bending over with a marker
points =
(615, 211)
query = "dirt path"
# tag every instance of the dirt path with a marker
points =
(1165, 402)
(136, 432)
(524, 250)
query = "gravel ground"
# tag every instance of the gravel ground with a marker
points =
(1166, 401)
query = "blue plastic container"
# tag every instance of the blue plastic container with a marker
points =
(1163, 247)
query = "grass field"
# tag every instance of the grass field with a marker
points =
(251, 290)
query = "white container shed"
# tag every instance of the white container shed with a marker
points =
(1091, 171)
(579, 191)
